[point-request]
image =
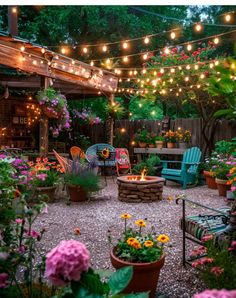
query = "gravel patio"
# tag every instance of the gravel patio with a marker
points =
(101, 213)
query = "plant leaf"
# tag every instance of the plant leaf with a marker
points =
(120, 279)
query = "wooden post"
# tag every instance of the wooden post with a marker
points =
(12, 20)
(110, 124)
(43, 125)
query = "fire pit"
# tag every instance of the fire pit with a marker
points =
(140, 188)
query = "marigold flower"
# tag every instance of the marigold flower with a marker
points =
(148, 243)
(77, 231)
(140, 223)
(136, 245)
(131, 241)
(163, 238)
(125, 215)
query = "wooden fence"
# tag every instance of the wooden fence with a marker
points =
(124, 131)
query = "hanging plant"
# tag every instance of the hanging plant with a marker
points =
(54, 105)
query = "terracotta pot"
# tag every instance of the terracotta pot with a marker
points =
(145, 275)
(142, 144)
(183, 145)
(151, 146)
(170, 145)
(210, 180)
(159, 144)
(77, 193)
(49, 191)
(222, 186)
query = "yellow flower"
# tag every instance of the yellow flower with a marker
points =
(125, 215)
(163, 238)
(131, 241)
(140, 223)
(136, 244)
(148, 243)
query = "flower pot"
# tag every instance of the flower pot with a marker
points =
(142, 144)
(183, 145)
(222, 186)
(145, 275)
(151, 146)
(77, 193)
(159, 144)
(49, 191)
(210, 180)
(170, 145)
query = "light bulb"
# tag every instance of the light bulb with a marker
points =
(14, 10)
(145, 56)
(167, 51)
(43, 50)
(172, 35)
(146, 40)
(196, 67)
(125, 45)
(186, 79)
(189, 47)
(144, 71)
(162, 70)
(188, 67)
(104, 48)
(22, 48)
(130, 72)
(125, 59)
(202, 76)
(34, 62)
(63, 51)
(216, 62)
(135, 72)
(172, 70)
(198, 27)
(216, 40)
(85, 50)
(227, 18)
(108, 61)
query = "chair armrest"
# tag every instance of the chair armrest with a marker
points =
(191, 163)
(170, 161)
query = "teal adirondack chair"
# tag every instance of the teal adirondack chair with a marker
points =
(188, 170)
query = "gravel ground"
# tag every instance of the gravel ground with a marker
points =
(102, 212)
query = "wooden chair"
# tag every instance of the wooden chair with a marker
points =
(76, 152)
(188, 171)
(123, 165)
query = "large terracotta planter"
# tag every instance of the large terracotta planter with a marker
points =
(145, 275)
(222, 186)
(49, 191)
(159, 144)
(76, 193)
(142, 144)
(170, 145)
(210, 180)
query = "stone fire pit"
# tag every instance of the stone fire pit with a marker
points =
(133, 190)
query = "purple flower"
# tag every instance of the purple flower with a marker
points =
(3, 280)
(33, 234)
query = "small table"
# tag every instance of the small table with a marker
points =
(166, 151)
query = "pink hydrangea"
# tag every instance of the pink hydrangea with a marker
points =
(3, 280)
(66, 262)
(216, 294)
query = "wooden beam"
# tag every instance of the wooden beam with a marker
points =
(58, 67)
(43, 125)
(13, 20)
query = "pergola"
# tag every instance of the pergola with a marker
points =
(46, 68)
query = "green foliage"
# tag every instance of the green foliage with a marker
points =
(226, 147)
(51, 179)
(142, 135)
(88, 181)
(150, 165)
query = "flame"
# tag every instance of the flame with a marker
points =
(143, 174)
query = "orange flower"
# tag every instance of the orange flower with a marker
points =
(148, 243)
(131, 241)
(136, 244)
(163, 238)
(140, 223)
(77, 231)
(125, 215)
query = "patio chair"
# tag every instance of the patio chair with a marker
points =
(76, 153)
(188, 170)
(95, 152)
(123, 165)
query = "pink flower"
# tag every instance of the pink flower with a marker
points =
(217, 271)
(3, 280)
(42, 176)
(66, 262)
(19, 221)
(216, 294)
(33, 234)
(207, 238)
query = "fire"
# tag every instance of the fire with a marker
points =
(143, 174)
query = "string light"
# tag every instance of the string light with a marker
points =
(85, 50)
(145, 56)
(216, 40)
(34, 62)
(198, 27)
(22, 48)
(188, 67)
(108, 61)
(228, 18)
(172, 70)
(104, 48)
(216, 62)
(189, 47)
(186, 79)
(162, 70)
(146, 40)
(144, 71)
(122, 130)
(43, 50)
(63, 50)
(125, 45)
(172, 35)
(14, 10)
(125, 59)
(196, 67)
(167, 51)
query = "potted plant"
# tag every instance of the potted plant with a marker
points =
(170, 138)
(141, 137)
(45, 177)
(184, 138)
(210, 165)
(159, 141)
(143, 251)
(151, 164)
(151, 140)
(81, 180)
(222, 180)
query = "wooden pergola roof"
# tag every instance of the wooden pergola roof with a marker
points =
(70, 75)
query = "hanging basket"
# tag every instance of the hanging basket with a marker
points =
(50, 114)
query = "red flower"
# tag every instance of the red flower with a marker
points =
(217, 271)
(174, 50)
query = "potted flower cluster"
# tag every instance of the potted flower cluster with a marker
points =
(143, 251)
(45, 177)
(86, 116)
(210, 165)
(81, 179)
(54, 105)
(222, 174)
(151, 139)
(159, 141)
(184, 138)
(141, 137)
(170, 138)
